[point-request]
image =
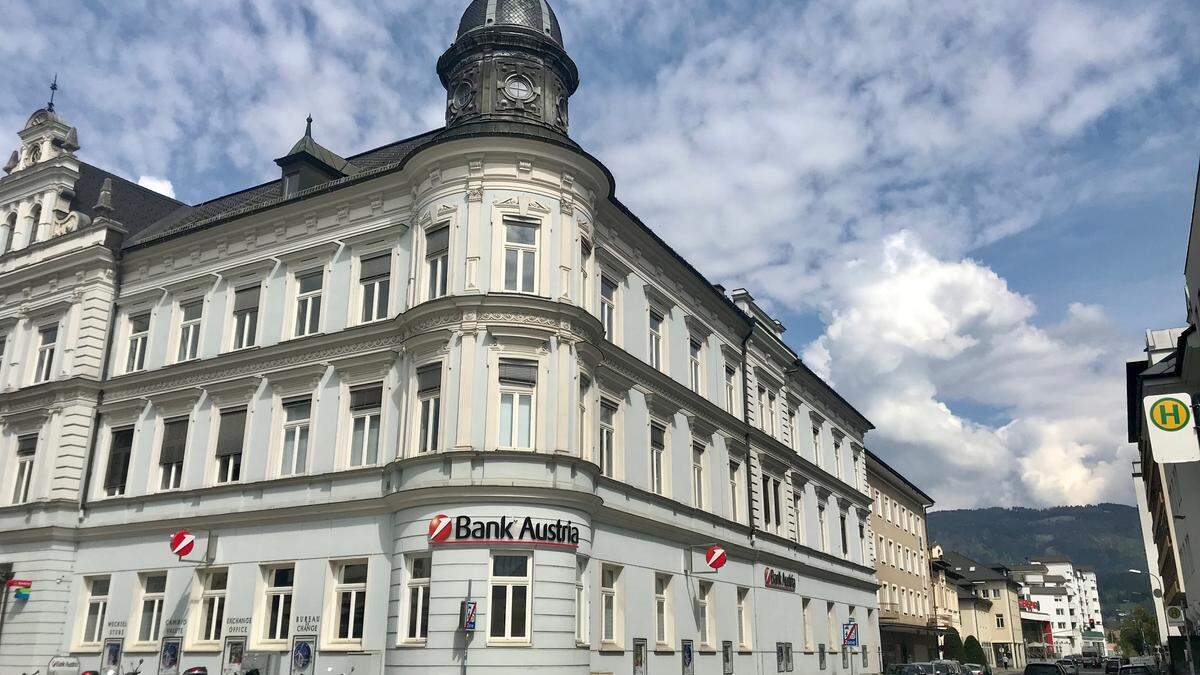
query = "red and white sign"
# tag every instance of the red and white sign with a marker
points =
(716, 557)
(20, 583)
(182, 543)
(440, 528)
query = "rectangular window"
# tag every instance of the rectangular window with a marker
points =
(658, 451)
(823, 530)
(695, 366)
(735, 491)
(698, 476)
(837, 457)
(429, 399)
(97, 608)
(608, 308)
(743, 618)
(117, 473)
(189, 330)
(26, 449)
(520, 256)
(212, 606)
(581, 602)
(730, 389)
(365, 413)
(508, 589)
(772, 427)
(806, 612)
(154, 588)
(518, 382)
(845, 541)
(170, 456)
(437, 257)
(374, 282)
(798, 507)
(278, 603)
(772, 518)
(608, 438)
(230, 439)
(705, 614)
(999, 621)
(418, 599)
(662, 609)
(585, 387)
(245, 317)
(816, 439)
(47, 341)
(291, 184)
(139, 335)
(585, 279)
(350, 601)
(308, 302)
(610, 610)
(656, 340)
(294, 454)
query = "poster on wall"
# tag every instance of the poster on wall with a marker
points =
(110, 657)
(845, 657)
(727, 657)
(302, 658)
(231, 659)
(640, 654)
(687, 652)
(780, 663)
(168, 656)
(821, 655)
(787, 657)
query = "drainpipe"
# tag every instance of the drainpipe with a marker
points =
(746, 424)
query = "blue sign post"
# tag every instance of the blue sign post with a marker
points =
(850, 634)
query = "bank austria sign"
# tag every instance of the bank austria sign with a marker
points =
(779, 580)
(445, 529)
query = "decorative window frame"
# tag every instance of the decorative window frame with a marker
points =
(329, 640)
(286, 385)
(169, 406)
(519, 348)
(57, 314)
(261, 611)
(528, 210)
(299, 264)
(370, 245)
(180, 294)
(446, 217)
(352, 373)
(242, 277)
(228, 395)
(133, 414)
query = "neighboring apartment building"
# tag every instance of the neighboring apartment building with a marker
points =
(1044, 612)
(1069, 595)
(943, 595)
(907, 627)
(989, 607)
(453, 369)
(1168, 503)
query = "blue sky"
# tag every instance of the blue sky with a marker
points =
(966, 212)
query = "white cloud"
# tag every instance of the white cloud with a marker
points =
(159, 185)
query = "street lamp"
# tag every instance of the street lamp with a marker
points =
(1157, 592)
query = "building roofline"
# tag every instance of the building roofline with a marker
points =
(929, 500)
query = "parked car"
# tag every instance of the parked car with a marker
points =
(1137, 670)
(1112, 666)
(977, 669)
(1043, 668)
(1069, 666)
(947, 668)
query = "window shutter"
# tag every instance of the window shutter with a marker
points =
(174, 441)
(118, 458)
(429, 378)
(378, 267)
(437, 242)
(27, 446)
(232, 433)
(245, 299)
(518, 372)
(366, 398)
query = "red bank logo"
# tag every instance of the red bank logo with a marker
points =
(716, 557)
(182, 543)
(440, 528)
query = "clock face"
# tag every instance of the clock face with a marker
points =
(462, 96)
(518, 88)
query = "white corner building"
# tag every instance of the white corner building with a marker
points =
(454, 371)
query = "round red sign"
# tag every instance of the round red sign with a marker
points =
(182, 543)
(716, 557)
(440, 527)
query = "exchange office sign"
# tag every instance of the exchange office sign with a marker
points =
(1171, 427)
(445, 529)
(779, 580)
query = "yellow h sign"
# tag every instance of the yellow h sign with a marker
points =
(1170, 414)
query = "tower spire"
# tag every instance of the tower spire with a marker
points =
(308, 126)
(53, 89)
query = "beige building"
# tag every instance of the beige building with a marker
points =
(988, 607)
(906, 625)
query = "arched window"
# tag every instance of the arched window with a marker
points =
(35, 217)
(10, 230)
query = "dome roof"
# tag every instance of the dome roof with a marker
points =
(535, 15)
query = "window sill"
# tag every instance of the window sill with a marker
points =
(582, 645)
(663, 648)
(605, 648)
(213, 647)
(706, 649)
(342, 647)
(411, 644)
(142, 647)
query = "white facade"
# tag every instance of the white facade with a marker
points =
(478, 329)
(1068, 593)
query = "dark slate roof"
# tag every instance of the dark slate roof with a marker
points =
(1044, 559)
(962, 565)
(535, 15)
(190, 218)
(134, 206)
(1027, 567)
(322, 154)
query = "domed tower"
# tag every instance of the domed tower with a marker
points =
(508, 64)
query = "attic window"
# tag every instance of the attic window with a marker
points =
(291, 183)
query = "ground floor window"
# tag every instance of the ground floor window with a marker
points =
(418, 599)
(610, 604)
(509, 609)
(350, 600)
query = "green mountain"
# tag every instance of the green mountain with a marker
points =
(1107, 537)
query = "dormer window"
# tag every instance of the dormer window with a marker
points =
(291, 184)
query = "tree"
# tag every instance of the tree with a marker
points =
(973, 651)
(953, 646)
(1137, 632)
